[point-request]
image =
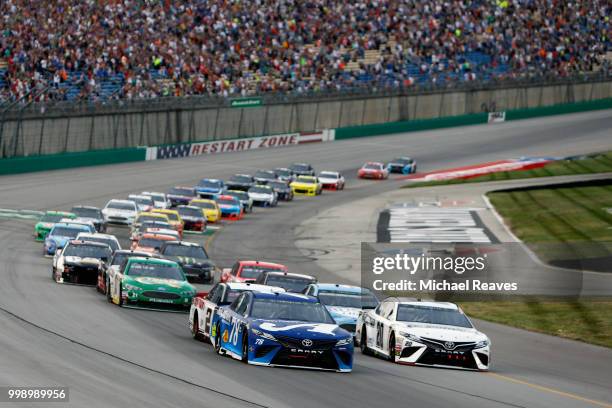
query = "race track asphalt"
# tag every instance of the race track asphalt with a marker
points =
(69, 335)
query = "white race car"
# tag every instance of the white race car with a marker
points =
(331, 180)
(80, 262)
(120, 211)
(159, 199)
(107, 239)
(205, 305)
(263, 195)
(423, 333)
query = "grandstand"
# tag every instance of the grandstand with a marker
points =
(124, 49)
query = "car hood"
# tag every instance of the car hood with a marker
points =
(77, 260)
(190, 218)
(328, 180)
(297, 329)
(441, 332)
(146, 282)
(351, 313)
(92, 219)
(116, 211)
(187, 260)
(208, 189)
(59, 240)
(300, 184)
(260, 195)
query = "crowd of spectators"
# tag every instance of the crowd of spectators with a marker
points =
(153, 48)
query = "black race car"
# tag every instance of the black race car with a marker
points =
(240, 182)
(302, 169)
(405, 165)
(264, 176)
(192, 258)
(193, 217)
(181, 195)
(282, 189)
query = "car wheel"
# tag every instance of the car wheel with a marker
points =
(245, 347)
(218, 340)
(120, 303)
(195, 328)
(108, 292)
(363, 343)
(392, 355)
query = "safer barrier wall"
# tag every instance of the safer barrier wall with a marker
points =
(70, 160)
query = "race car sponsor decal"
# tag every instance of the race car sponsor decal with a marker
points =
(476, 170)
(158, 281)
(322, 328)
(225, 336)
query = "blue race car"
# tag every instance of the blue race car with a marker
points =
(282, 329)
(230, 206)
(210, 188)
(404, 165)
(61, 233)
(343, 302)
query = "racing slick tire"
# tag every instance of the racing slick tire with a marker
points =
(245, 348)
(363, 343)
(195, 329)
(109, 298)
(120, 303)
(218, 349)
(392, 353)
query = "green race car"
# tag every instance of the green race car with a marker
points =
(151, 281)
(47, 221)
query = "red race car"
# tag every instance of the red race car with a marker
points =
(248, 271)
(373, 170)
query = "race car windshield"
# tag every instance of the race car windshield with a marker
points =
(66, 232)
(186, 251)
(155, 224)
(151, 243)
(86, 212)
(402, 160)
(254, 271)
(289, 283)
(327, 174)
(230, 201)
(306, 180)
(206, 205)
(161, 271)
(190, 212)
(182, 192)
(301, 167)
(110, 242)
(172, 216)
(241, 179)
(265, 175)
(88, 251)
(239, 195)
(144, 218)
(344, 299)
(210, 183)
(143, 200)
(283, 172)
(231, 295)
(121, 206)
(157, 197)
(51, 218)
(277, 184)
(432, 315)
(372, 166)
(260, 190)
(273, 309)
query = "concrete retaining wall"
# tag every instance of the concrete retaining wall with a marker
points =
(48, 134)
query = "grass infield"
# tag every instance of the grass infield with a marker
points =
(557, 217)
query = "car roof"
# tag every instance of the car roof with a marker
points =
(184, 187)
(191, 207)
(203, 200)
(289, 296)
(97, 235)
(185, 243)
(138, 196)
(83, 227)
(426, 303)
(377, 163)
(152, 192)
(253, 287)
(85, 242)
(159, 236)
(163, 211)
(261, 263)
(89, 207)
(147, 259)
(116, 200)
(339, 287)
(289, 274)
(130, 251)
(329, 172)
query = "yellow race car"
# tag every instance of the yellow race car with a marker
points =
(306, 185)
(174, 218)
(210, 208)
